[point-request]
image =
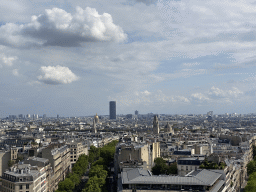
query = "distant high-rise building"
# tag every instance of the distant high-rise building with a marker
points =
(58, 116)
(20, 116)
(12, 116)
(155, 125)
(44, 116)
(28, 116)
(136, 112)
(112, 110)
(35, 116)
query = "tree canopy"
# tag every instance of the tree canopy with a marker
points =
(161, 168)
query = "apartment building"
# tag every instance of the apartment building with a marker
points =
(76, 149)
(186, 165)
(24, 178)
(139, 152)
(42, 162)
(59, 157)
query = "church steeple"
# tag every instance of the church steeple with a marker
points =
(155, 125)
(94, 126)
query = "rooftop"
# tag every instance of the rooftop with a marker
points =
(139, 176)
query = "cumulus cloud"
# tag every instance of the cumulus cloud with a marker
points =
(216, 94)
(56, 75)
(199, 97)
(56, 27)
(8, 61)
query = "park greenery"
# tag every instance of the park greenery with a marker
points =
(211, 165)
(99, 159)
(251, 171)
(161, 168)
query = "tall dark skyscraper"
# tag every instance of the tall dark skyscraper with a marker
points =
(112, 110)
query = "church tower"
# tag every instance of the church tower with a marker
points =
(155, 125)
(168, 128)
(96, 118)
(94, 126)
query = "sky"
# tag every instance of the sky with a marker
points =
(71, 57)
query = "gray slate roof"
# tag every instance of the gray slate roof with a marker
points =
(140, 176)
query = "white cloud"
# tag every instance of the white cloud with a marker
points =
(217, 92)
(199, 97)
(8, 61)
(56, 27)
(146, 93)
(217, 95)
(15, 72)
(56, 75)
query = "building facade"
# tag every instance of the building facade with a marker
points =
(24, 178)
(112, 110)
(59, 158)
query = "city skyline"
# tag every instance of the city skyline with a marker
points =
(168, 57)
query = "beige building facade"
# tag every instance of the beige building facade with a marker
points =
(59, 158)
(24, 178)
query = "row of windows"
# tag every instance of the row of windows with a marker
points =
(8, 185)
(27, 186)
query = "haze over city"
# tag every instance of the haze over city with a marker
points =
(72, 57)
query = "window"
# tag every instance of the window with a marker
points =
(27, 186)
(20, 186)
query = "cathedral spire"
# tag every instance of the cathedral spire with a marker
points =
(94, 126)
(155, 125)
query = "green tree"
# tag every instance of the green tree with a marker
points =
(66, 185)
(19, 158)
(81, 165)
(94, 153)
(251, 167)
(75, 179)
(160, 166)
(11, 163)
(92, 185)
(254, 151)
(98, 171)
(172, 169)
(251, 184)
